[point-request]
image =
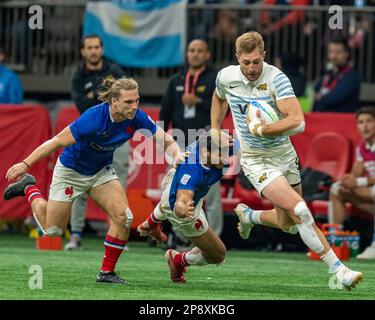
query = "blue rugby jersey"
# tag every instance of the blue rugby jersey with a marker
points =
(97, 137)
(192, 175)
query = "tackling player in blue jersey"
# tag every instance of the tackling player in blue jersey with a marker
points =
(183, 189)
(85, 166)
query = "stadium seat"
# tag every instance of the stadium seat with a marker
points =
(250, 197)
(330, 152)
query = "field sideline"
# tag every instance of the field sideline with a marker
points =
(245, 275)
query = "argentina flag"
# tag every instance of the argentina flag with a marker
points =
(148, 34)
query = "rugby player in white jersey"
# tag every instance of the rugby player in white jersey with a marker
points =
(268, 158)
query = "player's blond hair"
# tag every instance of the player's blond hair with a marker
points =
(248, 42)
(110, 88)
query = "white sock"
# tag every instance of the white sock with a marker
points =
(253, 217)
(330, 215)
(331, 260)
(158, 214)
(195, 258)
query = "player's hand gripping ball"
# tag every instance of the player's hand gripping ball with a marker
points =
(260, 113)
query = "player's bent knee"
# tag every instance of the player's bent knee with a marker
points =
(129, 218)
(215, 259)
(123, 219)
(119, 219)
(303, 212)
(221, 257)
(54, 232)
(306, 229)
(218, 257)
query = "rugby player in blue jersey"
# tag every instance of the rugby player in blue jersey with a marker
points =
(183, 189)
(85, 166)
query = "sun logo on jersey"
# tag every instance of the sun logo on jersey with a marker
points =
(262, 87)
(262, 178)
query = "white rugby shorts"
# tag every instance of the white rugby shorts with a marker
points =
(261, 171)
(67, 184)
(189, 227)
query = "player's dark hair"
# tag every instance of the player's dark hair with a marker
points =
(110, 88)
(206, 140)
(90, 36)
(366, 110)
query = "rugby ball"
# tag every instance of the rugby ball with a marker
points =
(263, 111)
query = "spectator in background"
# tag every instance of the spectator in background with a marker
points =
(289, 64)
(223, 34)
(338, 89)
(10, 86)
(358, 187)
(272, 20)
(187, 104)
(88, 77)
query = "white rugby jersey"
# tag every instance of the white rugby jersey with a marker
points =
(272, 85)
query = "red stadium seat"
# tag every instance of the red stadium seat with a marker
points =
(250, 197)
(330, 152)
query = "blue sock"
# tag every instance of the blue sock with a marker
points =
(249, 213)
(77, 233)
(336, 266)
(40, 232)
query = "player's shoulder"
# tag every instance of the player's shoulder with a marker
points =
(98, 110)
(228, 74)
(271, 73)
(274, 75)
(141, 114)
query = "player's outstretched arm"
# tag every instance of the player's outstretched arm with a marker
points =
(293, 123)
(63, 139)
(184, 205)
(170, 147)
(219, 108)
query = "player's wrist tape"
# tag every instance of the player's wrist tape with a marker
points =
(362, 182)
(23, 161)
(300, 128)
(256, 131)
(260, 131)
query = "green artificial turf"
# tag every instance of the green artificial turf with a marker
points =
(245, 275)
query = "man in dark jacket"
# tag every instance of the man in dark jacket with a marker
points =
(92, 70)
(187, 101)
(338, 88)
(187, 105)
(86, 80)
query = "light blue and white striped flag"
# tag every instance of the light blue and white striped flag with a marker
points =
(145, 34)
